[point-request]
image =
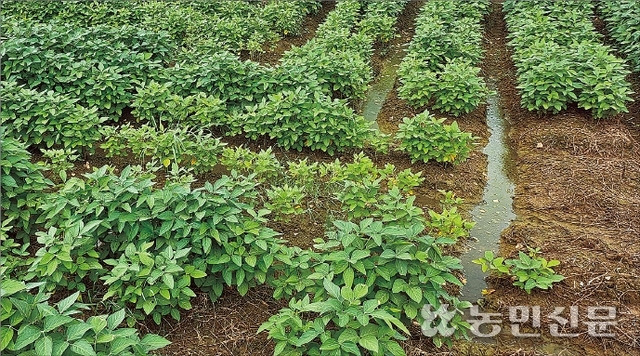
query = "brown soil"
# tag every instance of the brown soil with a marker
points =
(227, 327)
(578, 199)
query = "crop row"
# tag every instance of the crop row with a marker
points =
(231, 25)
(149, 246)
(340, 53)
(337, 57)
(560, 58)
(99, 66)
(291, 103)
(380, 18)
(623, 21)
(48, 119)
(112, 68)
(441, 66)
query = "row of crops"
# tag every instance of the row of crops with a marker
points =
(229, 25)
(441, 67)
(117, 67)
(140, 249)
(84, 255)
(623, 22)
(560, 58)
(298, 104)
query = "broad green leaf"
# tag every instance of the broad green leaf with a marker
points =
(115, 319)
(98, 323)
(369, 342)
(67, 302)
(154, 342)
(331, 288)
(77, 330)
(53, 322)
(44, 346)
(347, 275)
(360, 290)
(414, 293)
(394, 348)
(9, 287)
(26, 336)
(83, 347)
(6, 335)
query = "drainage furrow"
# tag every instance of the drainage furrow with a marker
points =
(383, 85)
(495, 212)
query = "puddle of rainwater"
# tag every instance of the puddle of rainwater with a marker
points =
(495, 212)
(383, 84)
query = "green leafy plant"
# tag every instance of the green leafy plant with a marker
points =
(191, 149)
(220, 74)
(440, 68)
(287, 17)
(393, 208)
(548, 80)
(380, 18)
(263, 165)
(362, 168)
(425, 138)
(406, 181)
(100, 70)
(492, 263)
(226, 236)
(380, 142)
(602, 67)
(48, 118)
(335, 56)
(157, 284)
(560, 59)
(401, 268)
(155, 103)
(419, 82)
(460, 89)
(303, 173)
(622, 22)
(359, 198)
(30, 325)
(449, 223)
(243, 258)
(285, 201)
(363, 325)
(67, 261)
(23, 186)
(60, 161)
(13, 256)
(528, 271)
(299, 119)
(449, 199)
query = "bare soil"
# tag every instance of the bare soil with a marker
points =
(578, 199)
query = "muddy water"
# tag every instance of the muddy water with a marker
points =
(495, 212)
(383, 84)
